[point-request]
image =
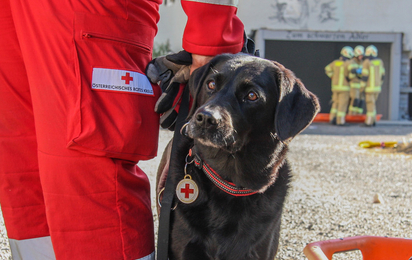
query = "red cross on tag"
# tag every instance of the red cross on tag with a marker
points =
(187, 190)
(127, 78)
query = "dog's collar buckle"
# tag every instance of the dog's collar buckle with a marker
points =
(196, 159)
(198, 162)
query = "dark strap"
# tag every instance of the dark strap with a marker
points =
(168, 194)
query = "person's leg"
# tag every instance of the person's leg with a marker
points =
(334, 107)
(361, 103)
(370, 99)
(354, 100)
(342, 107)
(357, 102)
(351, 102)
(98, 208)
(94, 119)
(21, 196)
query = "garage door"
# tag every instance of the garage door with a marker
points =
(309, 58)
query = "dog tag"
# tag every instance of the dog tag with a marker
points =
(187, 190)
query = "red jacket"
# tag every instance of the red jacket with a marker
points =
(212, 28)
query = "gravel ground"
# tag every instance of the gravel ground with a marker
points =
(334, 183)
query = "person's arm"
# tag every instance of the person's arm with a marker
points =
(212, 27)
(329, 70)
(365, 71)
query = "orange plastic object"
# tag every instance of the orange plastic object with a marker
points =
(324, 117)
(372, 248)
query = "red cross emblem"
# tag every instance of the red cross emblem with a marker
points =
(127, 78)
(187, 190)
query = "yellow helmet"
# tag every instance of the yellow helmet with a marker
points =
(347, 52)
(371, 50)
(359, 50)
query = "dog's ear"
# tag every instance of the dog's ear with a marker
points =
(297, 106)
(198, 77)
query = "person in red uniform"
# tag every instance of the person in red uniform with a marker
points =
(77, 115)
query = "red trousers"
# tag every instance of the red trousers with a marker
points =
(76, 115)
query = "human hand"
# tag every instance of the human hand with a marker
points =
(170, 72)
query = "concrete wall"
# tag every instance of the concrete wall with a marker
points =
(314, 15)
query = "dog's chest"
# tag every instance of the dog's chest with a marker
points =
(225, 226)
(218, 216)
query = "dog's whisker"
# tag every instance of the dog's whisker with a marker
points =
(234, 139)
(213, 70)
(274, 136)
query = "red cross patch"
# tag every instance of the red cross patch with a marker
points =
(125, 81)
(187, 190)
(127, 78)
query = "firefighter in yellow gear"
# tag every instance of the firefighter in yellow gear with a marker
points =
(338, 71)
(373, 73)
(355, 70)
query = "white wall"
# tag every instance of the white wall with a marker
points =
(314, 15)
(171, 25)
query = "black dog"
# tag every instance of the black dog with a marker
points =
(232, 176)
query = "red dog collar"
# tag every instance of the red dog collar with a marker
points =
(222, 184)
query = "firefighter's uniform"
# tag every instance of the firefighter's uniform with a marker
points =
(77, 114)
(338, 71)
(355, 68)
(373, 73)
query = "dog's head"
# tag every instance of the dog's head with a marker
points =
(239, 98)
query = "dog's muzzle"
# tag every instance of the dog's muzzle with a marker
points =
(212, 126)
(207, 118)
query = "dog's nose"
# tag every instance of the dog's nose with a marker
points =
(205, 119)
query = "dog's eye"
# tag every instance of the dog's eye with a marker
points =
(252, 96)
(211, 85)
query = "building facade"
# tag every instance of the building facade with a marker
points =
(305, 35)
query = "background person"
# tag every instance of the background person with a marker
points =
(337, 70)
(373, 74)
(355, 71)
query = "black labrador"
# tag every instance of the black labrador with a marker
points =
(232, 175)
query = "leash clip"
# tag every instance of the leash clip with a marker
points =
(158, 199)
